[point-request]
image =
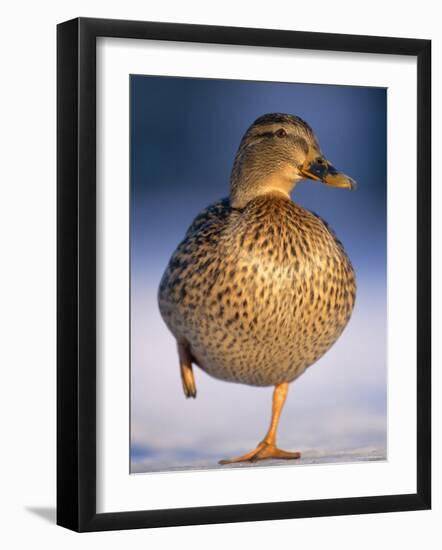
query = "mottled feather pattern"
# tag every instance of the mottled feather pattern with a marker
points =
(259, 293)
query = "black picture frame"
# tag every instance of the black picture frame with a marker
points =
(76, 274)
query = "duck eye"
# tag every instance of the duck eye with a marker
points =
(281, 133)
(319, 161)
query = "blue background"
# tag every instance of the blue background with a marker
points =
(184, 135)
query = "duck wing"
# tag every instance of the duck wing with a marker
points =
(216, 212)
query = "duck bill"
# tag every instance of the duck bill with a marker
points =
(328, 174)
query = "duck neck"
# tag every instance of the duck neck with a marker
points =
(247, 185)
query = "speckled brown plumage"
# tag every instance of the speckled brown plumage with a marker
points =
(260, 293)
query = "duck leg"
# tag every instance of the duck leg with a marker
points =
(187, 377)
(267, 448)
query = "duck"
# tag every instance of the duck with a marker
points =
(260, 288)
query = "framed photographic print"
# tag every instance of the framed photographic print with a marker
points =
(243, 274)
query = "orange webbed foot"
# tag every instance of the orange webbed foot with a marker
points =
(262, 452)
(187, 377)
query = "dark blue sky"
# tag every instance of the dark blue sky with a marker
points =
(184, 135)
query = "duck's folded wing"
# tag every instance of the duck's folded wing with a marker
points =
(216, 212)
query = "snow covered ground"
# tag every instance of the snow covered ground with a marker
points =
(168, 461)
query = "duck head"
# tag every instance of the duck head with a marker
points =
(276, 152)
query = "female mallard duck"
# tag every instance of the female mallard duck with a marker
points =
(260, 288)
